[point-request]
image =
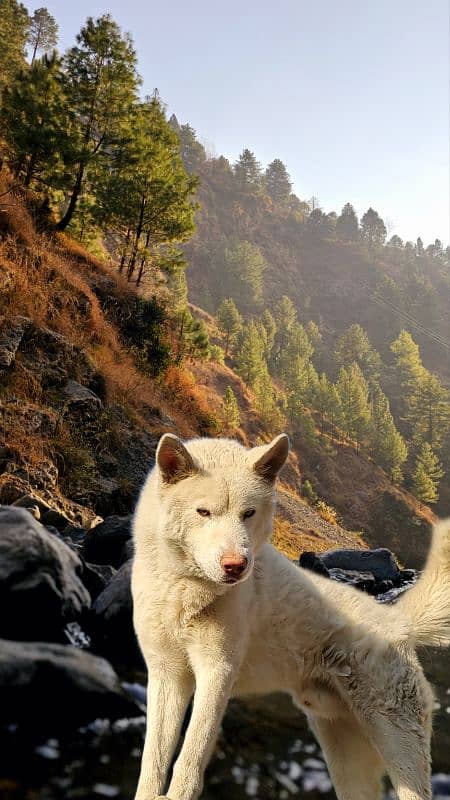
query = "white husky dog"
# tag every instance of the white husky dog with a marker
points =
(219, 613)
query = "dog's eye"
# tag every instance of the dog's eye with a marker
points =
(248, 513)
(203, 512)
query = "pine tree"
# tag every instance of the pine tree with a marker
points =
(285, 316)
(247, 171)
(249, 356)
(373, 229)
(388, 447)
(427, 474)
(39, 126)
(43, 34)
(101, 83)
(298, 349)
(419, 247)
(406, 372)
(230, 410)
(15, 23)
(192, 337)
(428, 410)
(354, 346)
(192, 151)
(396, 241)
(265, 399)
(347, 226)
(244, 267)
(354, 396)
(146, 194)
(229, 321)
(270, 328)
(278, 183)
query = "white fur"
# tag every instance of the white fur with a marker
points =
(347, 662)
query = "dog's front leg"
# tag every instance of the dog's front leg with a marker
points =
(167, 699)
(211, 696)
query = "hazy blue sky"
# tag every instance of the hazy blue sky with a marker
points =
(352, 96)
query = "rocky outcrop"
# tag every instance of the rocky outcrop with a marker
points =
(40, 584)
(58, 687)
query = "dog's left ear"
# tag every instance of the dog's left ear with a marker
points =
(270, 458)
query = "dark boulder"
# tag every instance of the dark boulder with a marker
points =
(55, 518)
(40, 579)
(81, 398)
(107, 542)
(312, 562)
(111, 621)
(379, 562)
(50, 687)
(96, 577)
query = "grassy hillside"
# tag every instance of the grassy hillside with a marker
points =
(80, 412)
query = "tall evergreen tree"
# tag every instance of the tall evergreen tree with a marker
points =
(428, 410)
(388, 447)
(270, 328)
(354, 396)
(43, 33)
(248, 172)
(101, 83)
(146, 194)
(427, 475)
(278, 183)
(39, 125)
(250, 354)
(354, 346)
(244, 266)
(192, 151)
(15, 23)
(347, 226)
(373, 229)
(230, 410)
(229, 321)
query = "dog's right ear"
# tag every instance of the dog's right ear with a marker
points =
(173, 460)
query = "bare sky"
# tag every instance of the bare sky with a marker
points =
(352, 96)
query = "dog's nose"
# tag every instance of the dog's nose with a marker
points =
(233, 566)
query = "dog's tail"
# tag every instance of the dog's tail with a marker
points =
(427, 604)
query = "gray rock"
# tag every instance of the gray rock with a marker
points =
(96, 578)
(107, 542)
(379, 562)
(112, 621)
(55, 518)
(40, 583)
(29, 501)
(10, 340)
(81, 397)
(49, 687)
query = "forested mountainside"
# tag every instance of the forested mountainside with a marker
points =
(290, 318)
(351, 327)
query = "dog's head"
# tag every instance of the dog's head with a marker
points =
(217, 502)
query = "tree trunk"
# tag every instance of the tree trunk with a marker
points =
(30, 170)
(143, 262)
(138, 234)
(63, 223)
(125, 249)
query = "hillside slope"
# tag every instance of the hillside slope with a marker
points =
(80, 413)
